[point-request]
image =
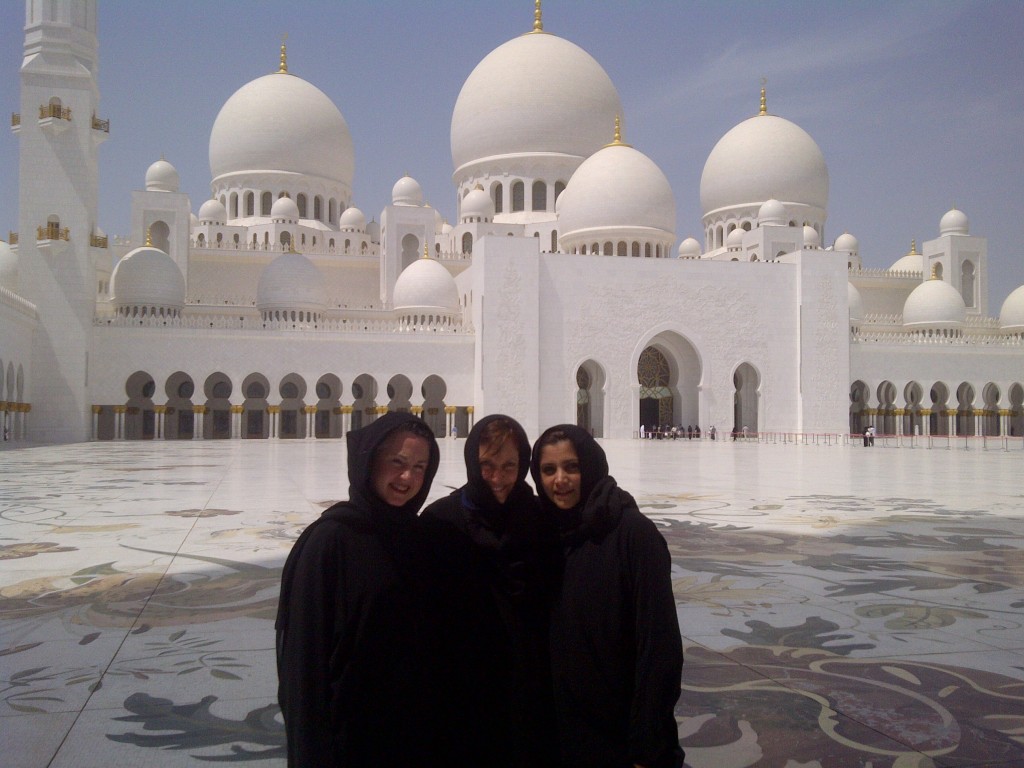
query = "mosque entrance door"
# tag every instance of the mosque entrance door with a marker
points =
(655, 396)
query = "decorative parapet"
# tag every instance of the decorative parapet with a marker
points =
(10, 299)
(100, 125)
(53, 232)
(876, 273)
(365, 322)
(12, 237)
(54, 111)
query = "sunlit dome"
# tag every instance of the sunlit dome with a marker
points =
(764, 157)
(291, 281)
(478, 205)
(148, 277)
(281, 123)
(161, 176)
(811, 238)
(1011, 316)
(617, 188)
(911, 262)
(284, 209)
(934, 304)
(771, 212)
(954, 222)
(212, 212)
(407, 191)
(426, 284)
(537, 93)
(689, 249)
(352, 220)
(856, 304)
(735, 239)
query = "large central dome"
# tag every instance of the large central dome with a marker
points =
(281, 123)
(535, 94)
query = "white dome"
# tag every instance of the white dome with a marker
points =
(954, 222)
(689, 249)
(811, 238)
(161, 176)
(478, 204)
(934, 304)
(148, 277)
(281, 123)
(856, 304)
(771, 212)
(373, 230)
(761, 158)
(617, 187)
(735, 239)
(912, 262)
(352, 219)
(846, 242)
(291, 281)
(284, 209)
(212, 212)
(1011, 316)
(426, 284)
(407, 191)
(8, 267)
(535, 94)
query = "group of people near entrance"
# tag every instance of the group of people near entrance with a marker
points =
(497, 628)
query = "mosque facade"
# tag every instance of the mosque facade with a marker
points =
(559, 293)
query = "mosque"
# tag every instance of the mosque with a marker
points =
(276, 309)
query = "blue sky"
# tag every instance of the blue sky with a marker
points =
(917, 106)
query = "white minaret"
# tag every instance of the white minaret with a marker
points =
(59, 135)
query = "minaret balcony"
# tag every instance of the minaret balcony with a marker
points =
(98, 241)
(15, 122)
(100, 130)
(52, 238)
(54, 119)
(12, 239)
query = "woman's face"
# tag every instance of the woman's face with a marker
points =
(560, 474)
(500, 469)
(400, 467)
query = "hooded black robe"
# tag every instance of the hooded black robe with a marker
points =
(500, 683)
(616, 651)
(356, 626)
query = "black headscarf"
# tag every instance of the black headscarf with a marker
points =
(363, 445)
(601, 500)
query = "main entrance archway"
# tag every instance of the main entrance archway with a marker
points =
(669, 373)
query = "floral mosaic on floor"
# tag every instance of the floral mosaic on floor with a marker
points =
(138, 587)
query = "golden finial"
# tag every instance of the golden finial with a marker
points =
(284, 55)
(617, 141)
(149, 238)
(538, 22)
(935, 271)
(913, 248)
(764, 96)
(426, 250)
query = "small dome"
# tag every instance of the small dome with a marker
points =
(1011, 316)
(148, 277)
(373, 230)
(735, 239)
(847, 242)
(954, 222)
(771, 212)
(934, 304)
(8, 267)
(811, 238)
(353, 220)
(438, 221)
(446, 228)
(284, 209)
(162, 177)
(856, 304)
(426, 284)
(212, 212)
(912, 262)
(617, 187)
(407, 191)
(291, 281)
(478, 204)
(689, 249)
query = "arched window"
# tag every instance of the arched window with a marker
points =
(266, 203)
(967, 283)
(540, 196)
(499, 198)
(559, 189)
(621, 249)
(554, 241)
(647, 250)
(234, 205)
(636, 250)
(467, 243)
(608, 248)
(318, 208)
(332, 208)
(250, 204)
(300, 201)
(518, 196)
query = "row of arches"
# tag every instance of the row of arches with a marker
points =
(634, 249)
(939, 410)
(511, 197)
(716, 234)
(291, 407)
(246, 203)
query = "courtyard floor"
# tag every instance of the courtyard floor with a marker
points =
(840, 606)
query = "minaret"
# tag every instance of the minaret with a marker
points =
(59, 135)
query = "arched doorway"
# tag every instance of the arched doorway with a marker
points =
(364, 394)
(433, 391)
(410, 250)
(590, 383)
(669, 374)
(399, 391)
(913, 394)
(217, 425)
(292, 424)
(965, 410)
(938, 422)
(179, 420)
(860, 393)
(328, 404)
(139, 418)
(255, 424)
(746, 384)
(1016, 393)
(886, 421)
(990, 421)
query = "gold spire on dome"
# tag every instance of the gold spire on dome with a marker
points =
(426, 250)
(149, 238)
(935, 271)
(617, 141)
(764, 96)
(283, 70)
(538, 22)
(913, 248)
